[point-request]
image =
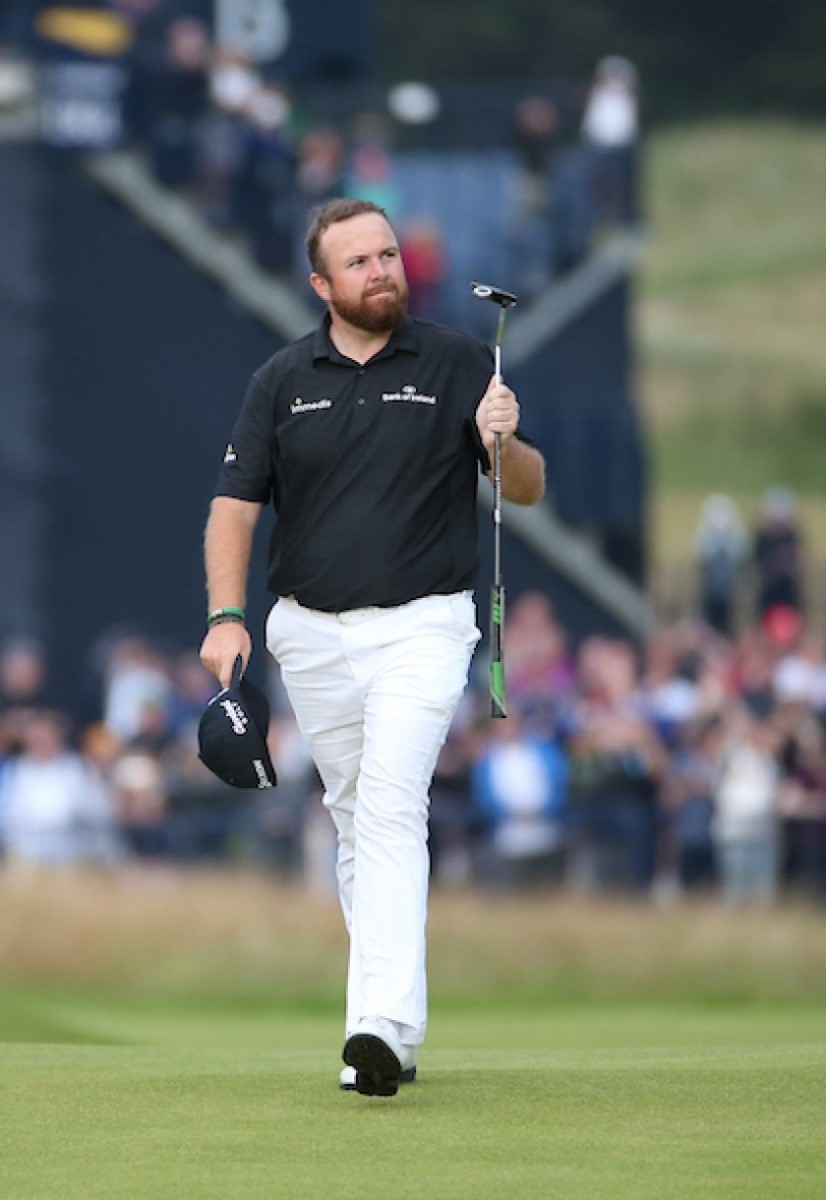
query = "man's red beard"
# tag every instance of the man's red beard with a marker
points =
(382, 313)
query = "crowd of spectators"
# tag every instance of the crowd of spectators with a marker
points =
(126, 784)
(692, 763)
(253, 150)
(254, 159)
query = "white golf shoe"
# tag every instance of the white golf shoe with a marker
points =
(376, 1059)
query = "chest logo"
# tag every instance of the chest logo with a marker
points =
(408, 394)
(300, 406)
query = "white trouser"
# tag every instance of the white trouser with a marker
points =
(374, 691)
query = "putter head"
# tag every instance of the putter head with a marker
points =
(484, 291)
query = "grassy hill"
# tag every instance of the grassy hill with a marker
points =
(732, 323)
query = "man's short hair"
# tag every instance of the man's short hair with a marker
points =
(330, 213)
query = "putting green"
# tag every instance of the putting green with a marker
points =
(138, 1099)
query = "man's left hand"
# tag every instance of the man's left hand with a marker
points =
(498, 412)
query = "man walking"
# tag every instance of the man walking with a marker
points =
(367, 436)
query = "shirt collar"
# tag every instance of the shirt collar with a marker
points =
(407, 338)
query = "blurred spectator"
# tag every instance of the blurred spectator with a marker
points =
(673, 693)
(172, 80)
(745, 796)
(23, 672)
(322, 163)
(370, 176)
(540, 671)
(802, 793)
(752, 671)
(232, 83)
(534, 137)
(55, 809)
(778, 555)
(370, 173)
(618, 765)
(141, 805)
(23, 683)
(797, 672)
(689, 806)
(102, 749)
(425, 261)
(454, 818)
(189, 816)
(192, 687)
(264, 186)
(24, 688)
(722, 549)
(137, 692)
(610, 130)
(519, 785)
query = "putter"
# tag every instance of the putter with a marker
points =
(498, 702)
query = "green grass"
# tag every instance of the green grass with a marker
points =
(594, 1101)
(731, 319)
(178, 1037)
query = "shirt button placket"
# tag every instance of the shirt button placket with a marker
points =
(363, 409)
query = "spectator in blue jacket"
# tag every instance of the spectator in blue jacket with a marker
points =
(519, 786)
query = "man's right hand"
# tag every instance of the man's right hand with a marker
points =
(222, 645)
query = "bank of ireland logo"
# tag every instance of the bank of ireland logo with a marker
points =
(409, 394)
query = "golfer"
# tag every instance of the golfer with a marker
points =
(367, 436)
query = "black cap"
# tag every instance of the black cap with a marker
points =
(232, 734)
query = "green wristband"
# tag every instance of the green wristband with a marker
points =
(226, 614)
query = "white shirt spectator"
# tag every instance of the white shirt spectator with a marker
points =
(611, 117)
(54, 806)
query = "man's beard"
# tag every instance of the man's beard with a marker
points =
(373, 314)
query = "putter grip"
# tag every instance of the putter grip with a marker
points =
(498, 705)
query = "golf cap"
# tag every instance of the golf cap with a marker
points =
(232, 734)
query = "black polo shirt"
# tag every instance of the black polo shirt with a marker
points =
(372, 470)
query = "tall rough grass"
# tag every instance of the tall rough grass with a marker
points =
(181, 934)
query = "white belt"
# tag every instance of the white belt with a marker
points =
(354, 616)
(350, 616)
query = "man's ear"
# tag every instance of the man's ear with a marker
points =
(320, 286)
